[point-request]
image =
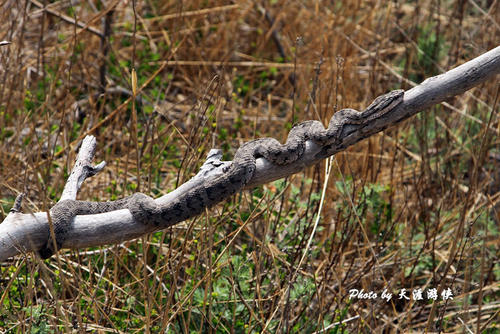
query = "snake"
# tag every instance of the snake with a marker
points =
(235, 176)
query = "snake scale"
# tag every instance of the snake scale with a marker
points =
(213, 190)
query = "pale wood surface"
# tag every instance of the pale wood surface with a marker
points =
(20, 233)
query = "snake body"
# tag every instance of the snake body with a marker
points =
(213, 190)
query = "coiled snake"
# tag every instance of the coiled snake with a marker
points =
(213, 190)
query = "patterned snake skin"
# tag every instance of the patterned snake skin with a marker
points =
(213, 190)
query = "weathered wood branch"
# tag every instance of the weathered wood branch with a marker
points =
(21, 233)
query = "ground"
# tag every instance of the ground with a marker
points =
(410, 212)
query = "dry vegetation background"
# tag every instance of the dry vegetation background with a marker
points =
(412, 208)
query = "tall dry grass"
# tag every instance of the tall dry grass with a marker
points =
(412, 208)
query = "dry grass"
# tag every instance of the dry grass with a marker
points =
(413, 208)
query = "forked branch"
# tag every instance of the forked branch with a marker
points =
(21, 233)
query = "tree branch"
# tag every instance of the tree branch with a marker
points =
(28, 232)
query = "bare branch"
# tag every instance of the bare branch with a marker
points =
(27, 232)
(432, 91)
(83, 168)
